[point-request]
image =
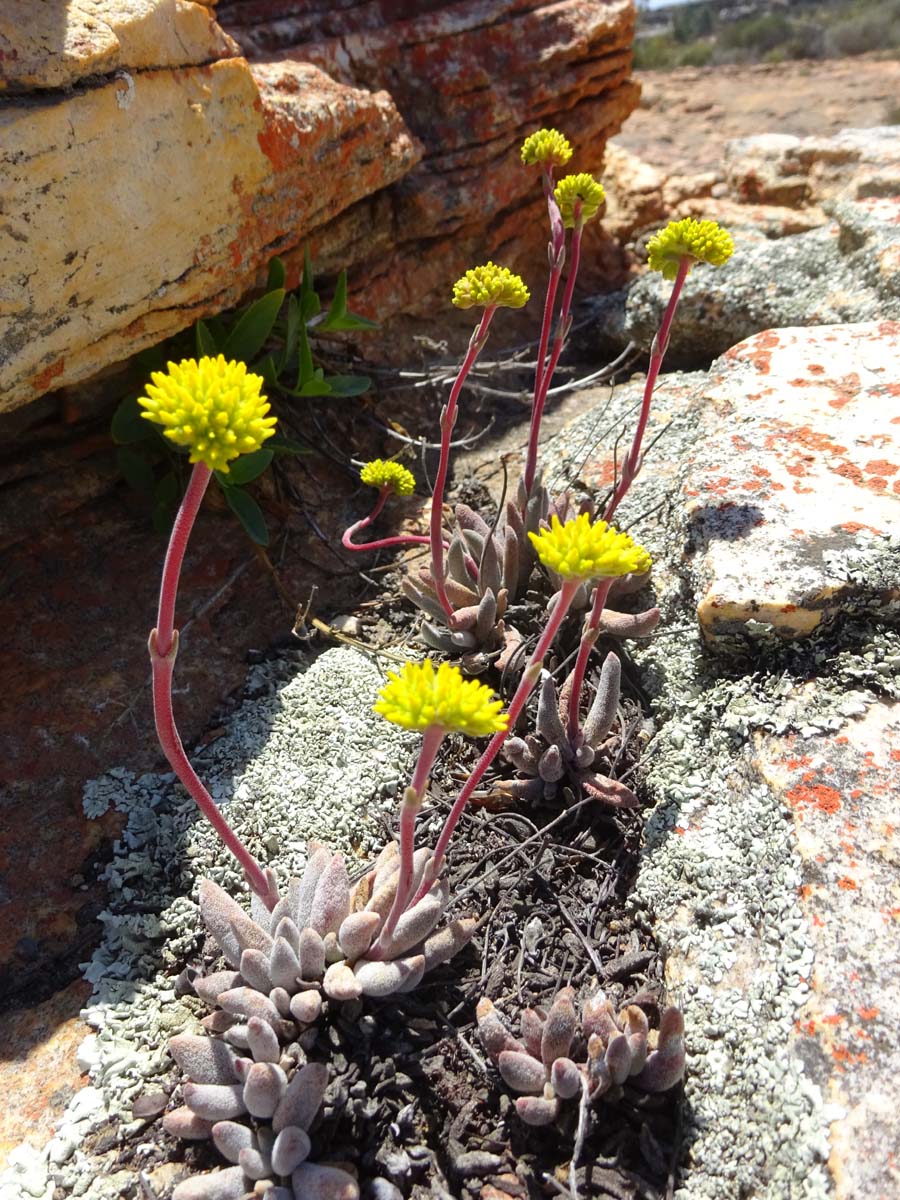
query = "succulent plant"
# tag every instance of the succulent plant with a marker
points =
(550, 761)
(560, 1056)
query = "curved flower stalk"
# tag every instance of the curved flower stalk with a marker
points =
(488, 287)
(216, 410)
(391, 479)
(561, 1054)
(552, 761)
(673, 251)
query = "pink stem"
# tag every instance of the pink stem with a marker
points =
(632, 463)
(523, 691)
(163, 647)
(412, 802)
(588, 641)
(448, 420)
(406, 539)
(556, 251)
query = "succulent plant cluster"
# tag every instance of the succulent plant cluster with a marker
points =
(560, 1055)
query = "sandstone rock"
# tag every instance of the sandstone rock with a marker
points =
(58, 45)
(153, 198)
(634, 194)
(846, 271)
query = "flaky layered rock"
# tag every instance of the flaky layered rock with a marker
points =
(157, 192)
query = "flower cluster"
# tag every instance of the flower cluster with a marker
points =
(582, 550)
(490, 285)
(380, 473)
(699, 241)
(422, 698)
(580, 189)
(546, 146)
(213, 407)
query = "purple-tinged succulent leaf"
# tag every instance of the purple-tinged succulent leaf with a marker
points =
(238, 1035)
(340, 983)
(532, 1026)
(599, 1078)
(182, 1123)
(414, 925)
(522, 1072)
(230, 1184)
(285, 908)
(254, 1164)
(230, 1138)
(551, 768)
(473, 543)
(536, 1110)
(246, 1002)
(489, 575)
(319, 858)
(468, 518)
(464, 619)
(288, 930)
(331, 903)
(517, 751)
(215, 1101)
(603, 711)
(219, 1021)
(333, 951)
(303, 1098)
(386, 864)
(459, 593)
(486, 615)
(208, 987)
(203, 1059)
(530, 790)
(263, 1089)
(492, 1033)
(356, 934)
(421, 599)
(311, 956)
(306, 1007)
(584, 757)
(291, 1148)
(243, 1064)
(598, 1017)
(255, 970)
(284, 966)
(384, 978)
(634, 1024)
(281, 998)
(511, 563)
(316, 1181)
(447, 941)
(548, 724)
(618, 1058)
(249, 935)
(629, 625)
(559, 1028)
(565, 1078)
(218, 911)
(608, 791)
(263, 1041)
(665, 1065)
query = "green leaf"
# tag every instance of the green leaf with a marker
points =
(337, 316)
(206, 343)
(315, 387)
(291, 333)
(348, 385)
(249, 335)
(246, 468)
(282, 445)
(154, 358)
(248, 513)
(128, 426)
(267, 369)
(305, 371)
(136, 470)
(310, 305)
(277, 275)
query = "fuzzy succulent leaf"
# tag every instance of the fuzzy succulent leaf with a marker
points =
(306, 1007)
(551, 767)
(340, 983)
(247, 1002)
(219, 911)
(629, 625)
(633, 1021)
(446, 942)
(468, 518)
(311, 955)
(548, 724)
(608, 791)
(665, 1065)
(618, 1058)
(285, 928)
(265, 1085)
(415, 925)
(303, 1098)
(522, 1072)
(284, 966)
(203, 1059)
(208, 987)
(598, 1017)
(536, 1110)
(331, 902)
(559, 1027)
(184, 1124)
(602, 712)
(315, 1181)
(249, 935)
(319, 859)
(356, 933)
(385, 978)
(532, 1025)
(486, 616)
(230, 1138)
(255, 970)
(263, 1041)
(229, 1184)
(291, 1148)
(565, 1078)
(492, 1033)
(215, 1101)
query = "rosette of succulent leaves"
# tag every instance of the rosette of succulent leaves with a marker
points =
(553, 764)
(249, 1090)
(561, 1055)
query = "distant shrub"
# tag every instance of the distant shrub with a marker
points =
(874, 29)
(697, 55)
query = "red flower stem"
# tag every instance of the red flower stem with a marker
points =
(556, 252)
(448, 420)
(632, 464)
(588, 641)
(526, 684)
(405, 539)
(412, 802)
(163, 647)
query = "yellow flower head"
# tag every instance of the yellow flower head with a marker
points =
(212, 406)
(580, 550)
(546, 146)
(490, 285)
(578, 187)
(379, 473)
(701, 241)
(420, 698)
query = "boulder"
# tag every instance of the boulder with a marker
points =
(157, 191)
